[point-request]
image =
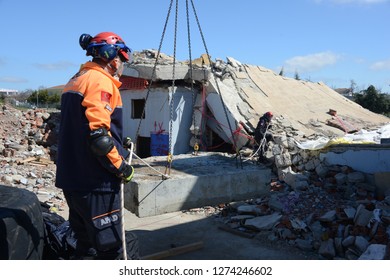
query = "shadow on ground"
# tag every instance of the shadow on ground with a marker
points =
(166, 234)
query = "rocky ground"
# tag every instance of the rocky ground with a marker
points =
(332, 211)
(27, 152)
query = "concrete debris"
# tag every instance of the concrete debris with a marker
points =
(27, 151)
(264, 222)
(332, 210)
(374, 252)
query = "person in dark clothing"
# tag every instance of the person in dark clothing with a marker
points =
(262, 135)
(91, 159)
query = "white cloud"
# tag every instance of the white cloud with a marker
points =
(55, 66)
(15, 80)
(381, 65)
(311, 62)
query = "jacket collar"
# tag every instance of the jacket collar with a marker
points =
(97, 67)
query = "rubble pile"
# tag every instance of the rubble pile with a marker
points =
(149, 57)
(332, 210)
(27, 152)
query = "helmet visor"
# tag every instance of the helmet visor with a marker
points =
(124, 53)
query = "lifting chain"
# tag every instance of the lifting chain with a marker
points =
(238, 154)
(169, 165)
(154, 69)
(196, 148)
(196, 132)
(171, 96)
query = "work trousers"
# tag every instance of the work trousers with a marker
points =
(95, 218)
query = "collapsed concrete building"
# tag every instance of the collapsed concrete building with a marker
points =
(216, 105)
(212, 100)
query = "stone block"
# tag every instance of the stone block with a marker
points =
(264, 222)
(362, 216)
(327, 249)
(382, 183)
(374, 252)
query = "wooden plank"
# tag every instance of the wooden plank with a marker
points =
(174, 251)
(37, 163)
(26, 160)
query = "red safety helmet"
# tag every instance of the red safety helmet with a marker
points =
(105, 45)
(268, 115)
(107, 38)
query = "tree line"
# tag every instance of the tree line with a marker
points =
(42, 97)
(373, 100)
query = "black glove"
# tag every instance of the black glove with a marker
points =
(127, 173)
(127, 143)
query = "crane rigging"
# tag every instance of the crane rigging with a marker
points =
(189, 6)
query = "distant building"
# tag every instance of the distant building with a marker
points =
(8, 91)
(346, 92)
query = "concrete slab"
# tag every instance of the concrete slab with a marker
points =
(195, 181)
(164, 72)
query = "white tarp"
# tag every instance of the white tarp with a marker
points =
(360, 137)
(314, 144)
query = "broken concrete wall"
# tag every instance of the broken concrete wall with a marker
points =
(364, 158)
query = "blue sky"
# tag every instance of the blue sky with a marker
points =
(334, 41)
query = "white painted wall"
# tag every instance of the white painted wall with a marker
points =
(158, 115)
(364, 160)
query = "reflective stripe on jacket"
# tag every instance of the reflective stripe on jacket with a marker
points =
(90, 100)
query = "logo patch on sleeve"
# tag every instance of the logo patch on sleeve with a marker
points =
(105, 96)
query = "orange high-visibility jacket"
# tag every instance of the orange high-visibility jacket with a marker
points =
(90, 100)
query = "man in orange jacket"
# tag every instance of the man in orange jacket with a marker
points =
(91, 158)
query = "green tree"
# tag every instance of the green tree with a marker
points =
(373, 100)
(43, 97)
(296, 76)
(2, 98)
(54, 98)
(281, 73)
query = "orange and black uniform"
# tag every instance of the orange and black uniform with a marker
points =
(90, 182)
(90, 100)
